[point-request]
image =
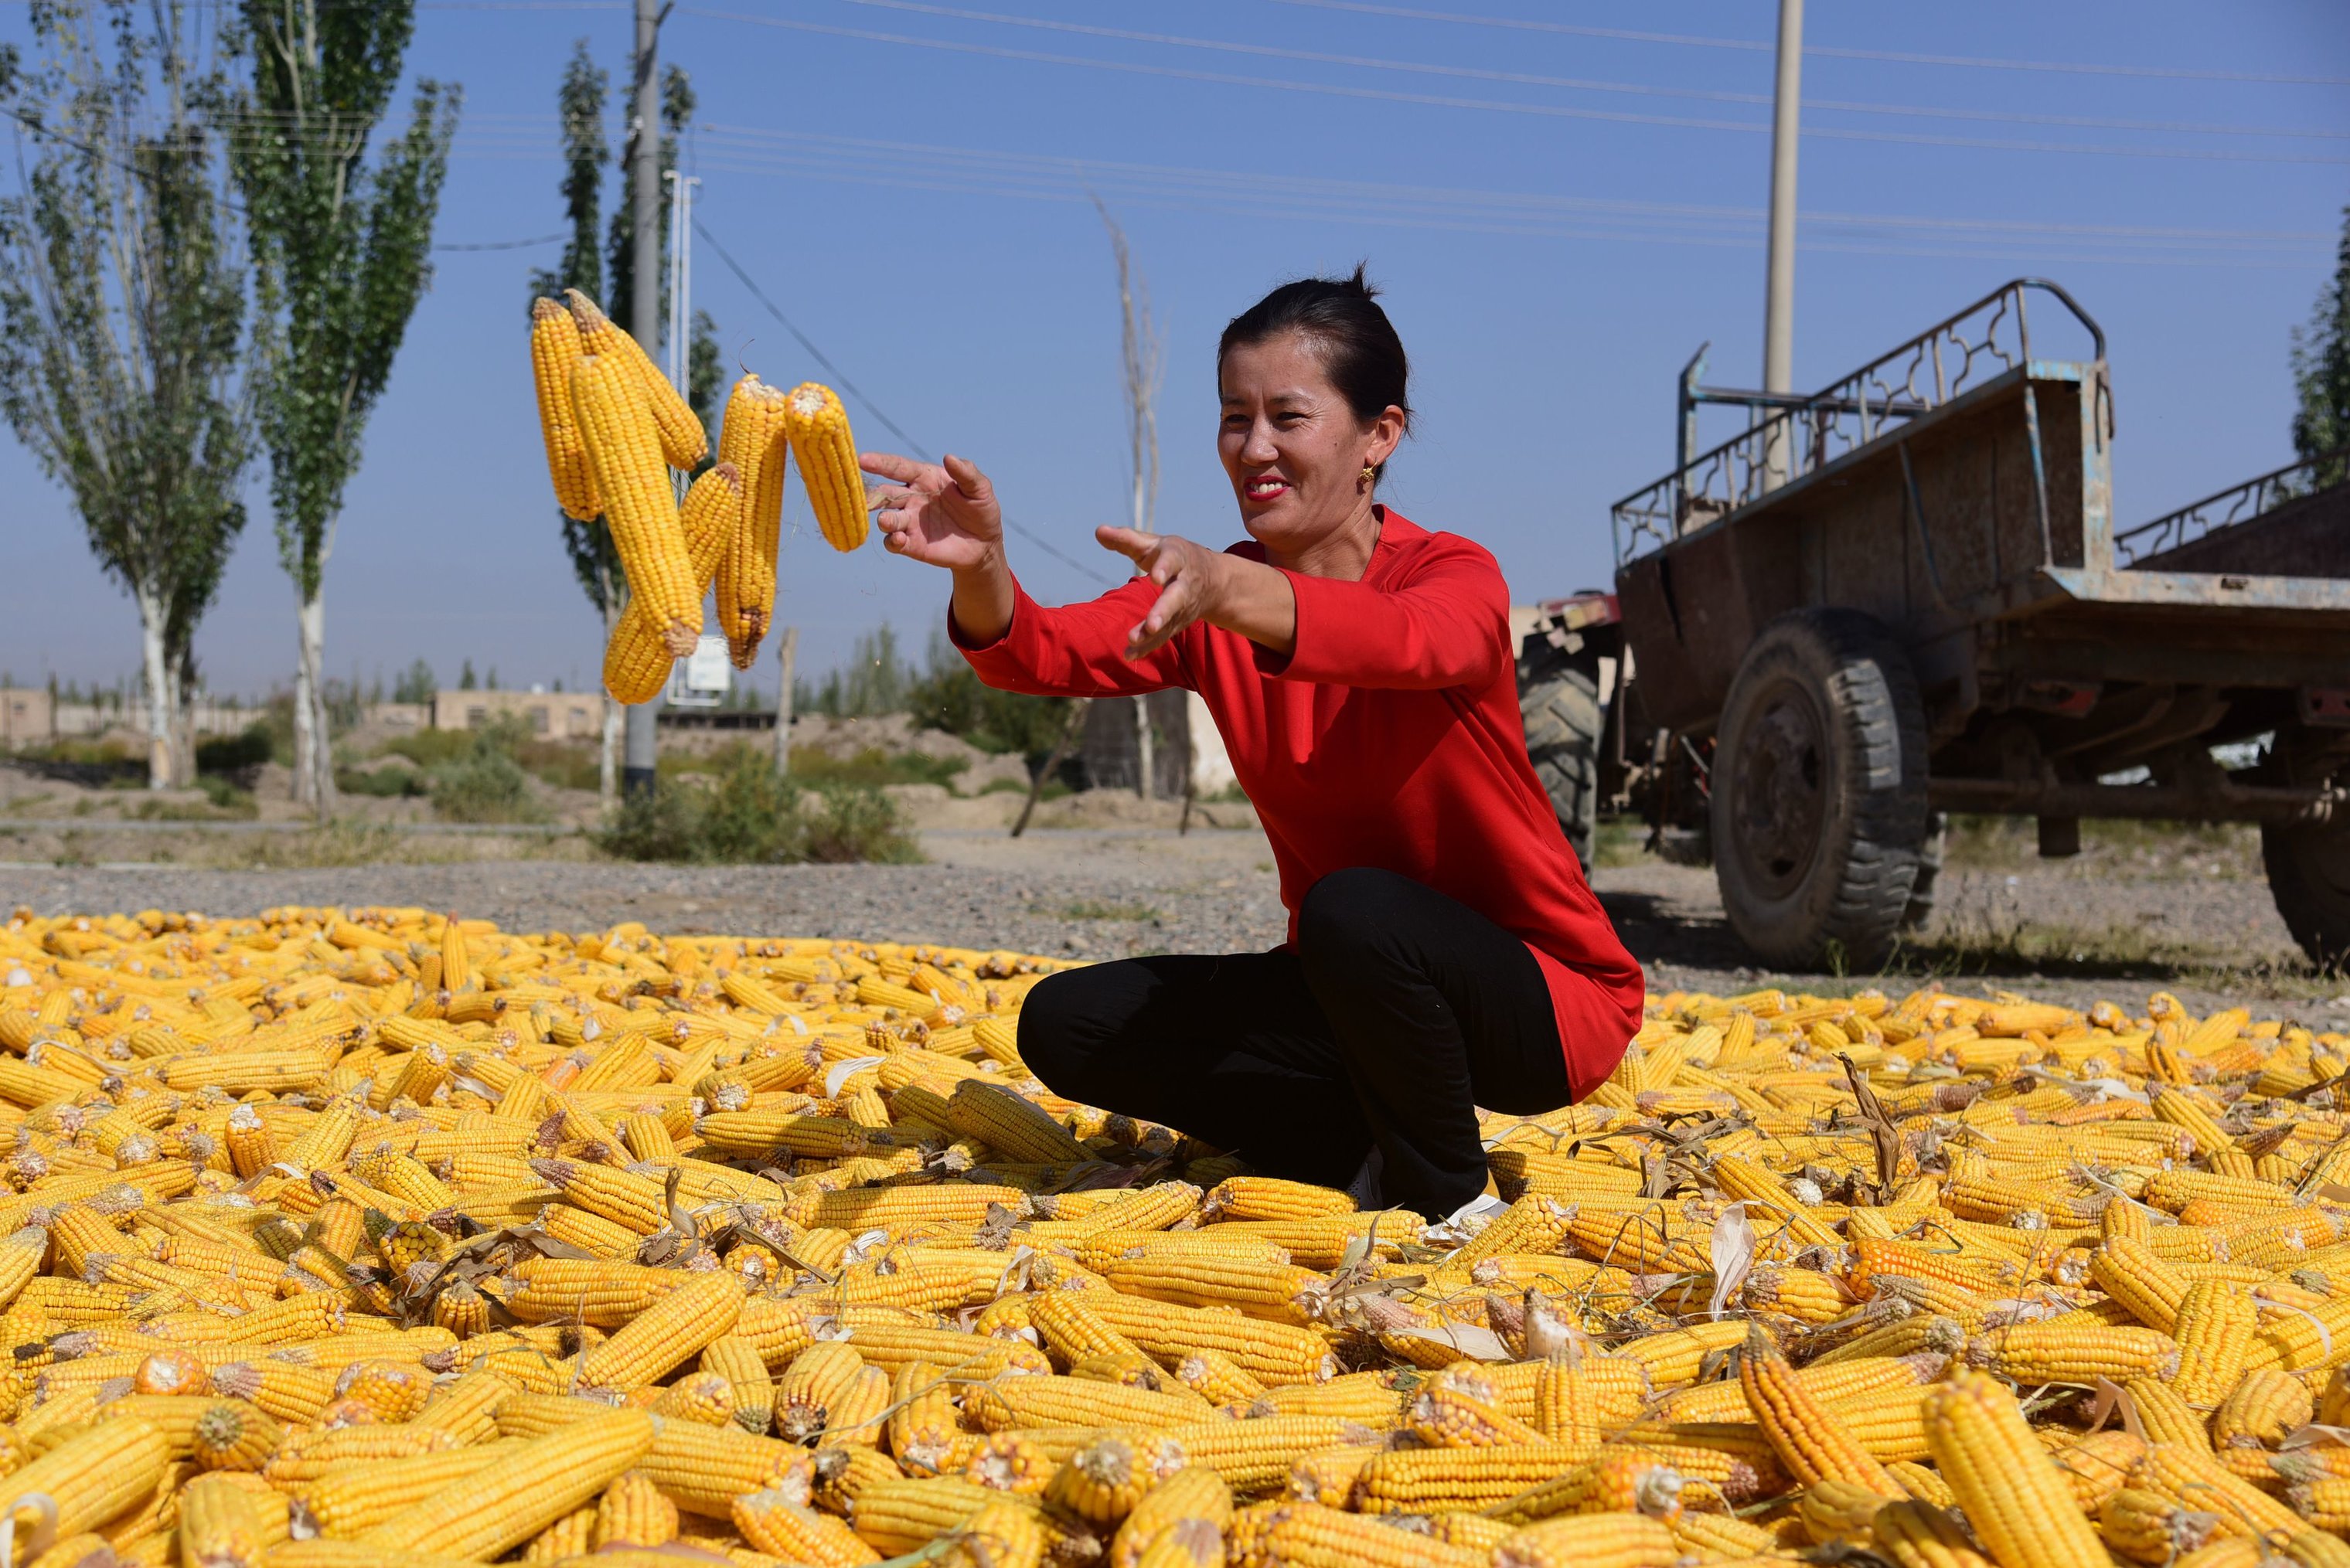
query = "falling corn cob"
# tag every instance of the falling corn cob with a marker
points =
(639, 506)
(554, 351)
(683, 441)
(818, 427)
(753, 439)
(637, 658)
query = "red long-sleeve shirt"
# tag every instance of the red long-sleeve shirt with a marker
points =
(1389, 737)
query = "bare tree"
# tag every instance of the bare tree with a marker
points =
(1142, 362)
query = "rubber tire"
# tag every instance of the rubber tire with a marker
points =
(2309, 864)
(1560, 706)
(1842, 904)
(1920, 907)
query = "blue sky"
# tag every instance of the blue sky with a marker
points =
(1559, 210)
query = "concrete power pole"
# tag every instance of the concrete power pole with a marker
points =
(1779, 288)
(641, 746)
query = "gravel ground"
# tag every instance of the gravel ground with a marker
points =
(2065, 933)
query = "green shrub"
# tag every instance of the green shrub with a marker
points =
(873, 766)
(381, 783)
(745, 813)
(248, 748)
(485, 784)
(430, 748)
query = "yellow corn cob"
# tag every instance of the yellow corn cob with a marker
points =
(633, 1512)
(1014, 1402)
(637, 658)
(2197, 1480)
(554, 347)
(2166, 1417)
(1812, 1440)
(1919, 1535)
(2214, 1330)
(638, 508)
(1182, 1502)
(752, 439)
(1460, 1412)
(2036, 1353)
(1102, 1483)
(85, 1481)
(220, 1525)
(683, 441)
(1421, 1480)
(1308, 1535)
(2264, 1407)
(668, 1333)
(2016, 1498)
(1276, 1354)
(2099, 1466)
(782, 1525)
(1597, 1541)
(738, 1361)
(818, 427)
(861, 1411)
(351, 1499)
(497, 1509)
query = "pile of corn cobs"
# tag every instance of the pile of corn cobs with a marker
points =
(373, 1236)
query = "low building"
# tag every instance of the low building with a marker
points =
(553, 715)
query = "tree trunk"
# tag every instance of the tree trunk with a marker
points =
(314, 764)
(1068, 738)
(1146, 782)
(787, 649)
(607, 764)
(152, 613)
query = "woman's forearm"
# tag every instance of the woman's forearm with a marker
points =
(1256, 601)
(981, 605)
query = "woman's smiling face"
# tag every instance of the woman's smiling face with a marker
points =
(1294, 450)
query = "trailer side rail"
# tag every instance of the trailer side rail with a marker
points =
(1804, 434)
(2237, 503)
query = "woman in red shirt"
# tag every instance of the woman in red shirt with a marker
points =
(1444, 950)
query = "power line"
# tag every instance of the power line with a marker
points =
(506, 245)
(2177, 73)
(1573, 84)
(841, 378)
(759, 150)
(1439, 101)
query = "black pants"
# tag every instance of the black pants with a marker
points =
(1397, 1014)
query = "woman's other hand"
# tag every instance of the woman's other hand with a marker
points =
(1199, 584)
(945, 514)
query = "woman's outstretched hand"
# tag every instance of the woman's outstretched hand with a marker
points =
(945, 514)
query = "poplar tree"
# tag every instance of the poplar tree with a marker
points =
(121, 312)
(340, 252)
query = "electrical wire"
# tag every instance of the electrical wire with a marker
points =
(1574, 84)
(1557, 111)
(840, 379)
(2177, 73)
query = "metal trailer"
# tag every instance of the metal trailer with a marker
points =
(1903, 596)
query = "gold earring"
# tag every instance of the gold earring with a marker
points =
(1369, 474)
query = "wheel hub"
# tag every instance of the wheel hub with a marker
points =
(1779, 799)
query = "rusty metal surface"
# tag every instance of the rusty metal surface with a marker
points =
(2283, 524)
(2301, 537)
(1989, 340)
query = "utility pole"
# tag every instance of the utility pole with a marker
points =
(1779, 286)
(642, 742)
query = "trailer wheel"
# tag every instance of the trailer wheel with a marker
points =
(1819, 812)
(1559, 701)
(2309, 864)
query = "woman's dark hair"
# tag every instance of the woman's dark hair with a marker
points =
(1342, 318)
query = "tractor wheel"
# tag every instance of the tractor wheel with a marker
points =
(1559, 701)
(2308, 863)
(1819, 812)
